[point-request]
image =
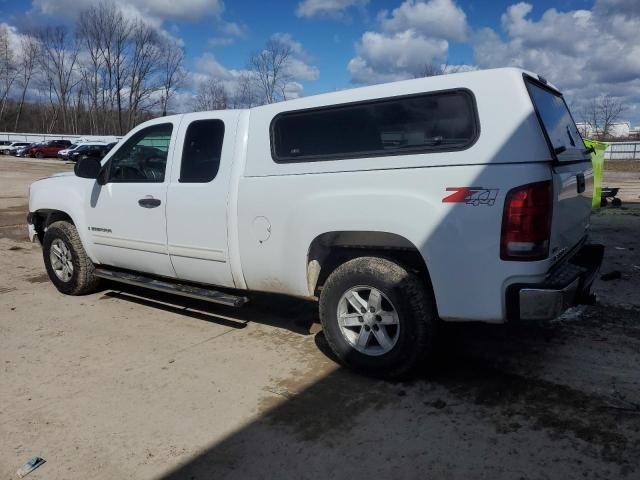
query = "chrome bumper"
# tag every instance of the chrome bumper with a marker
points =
(566, 285)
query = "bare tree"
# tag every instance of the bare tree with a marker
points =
(601, 113)
(270, 69)
(8, 70)
(145, 60)
(114, 31)
(435, 69)
(92, 67)
(244, 95)
(30, 50)
(171, 72)
(211, 95)
(58, 57)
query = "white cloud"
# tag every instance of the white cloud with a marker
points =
(382, 57)
(189, 10)
(298, 67)
(227, 33)
(215, 42)
(298, 70)
(327, 8)
(415, 34)
(293, 90)
(436, 18)
(586, 53)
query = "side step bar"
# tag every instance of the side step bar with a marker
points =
(182, 289)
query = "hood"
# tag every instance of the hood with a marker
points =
(61, 174)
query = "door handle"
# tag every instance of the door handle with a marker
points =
(149, 202)
(582, 184)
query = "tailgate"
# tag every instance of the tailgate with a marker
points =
(573, 191)
(571, 170)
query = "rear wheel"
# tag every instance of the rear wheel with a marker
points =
(377, 317)
(39, 155)
(68, 266)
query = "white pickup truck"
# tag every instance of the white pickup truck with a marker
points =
(462, 197)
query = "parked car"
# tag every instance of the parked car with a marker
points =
(7, 149)
(459, 197)
(26, 150)
(88, 150)
(50, 148)
(64, 153)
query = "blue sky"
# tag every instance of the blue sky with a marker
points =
(342, 43)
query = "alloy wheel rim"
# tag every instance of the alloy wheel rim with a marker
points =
(368, 320)
(61, 260)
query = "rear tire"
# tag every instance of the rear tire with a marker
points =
(39, 155)
(394, 330)
(67, 263)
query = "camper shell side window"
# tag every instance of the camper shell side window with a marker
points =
(422, 123)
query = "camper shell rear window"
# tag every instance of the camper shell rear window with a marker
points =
(556, 121)
(422, 123)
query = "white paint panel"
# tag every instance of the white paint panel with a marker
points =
(197, 212)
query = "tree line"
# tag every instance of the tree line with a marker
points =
(108, 72)
(103, 76)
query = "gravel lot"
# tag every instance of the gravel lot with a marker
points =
(131, 384)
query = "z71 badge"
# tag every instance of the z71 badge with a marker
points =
(472, 195)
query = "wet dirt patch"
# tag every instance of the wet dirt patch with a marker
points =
(13, 216)
(7, 289)
(42, 278)
(13, 223)
(512, 401)
(329, 406)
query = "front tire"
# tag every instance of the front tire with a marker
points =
(377, 317)
(69, 268)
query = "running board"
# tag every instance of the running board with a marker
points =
(181, 289)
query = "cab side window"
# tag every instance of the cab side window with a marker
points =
(143, 158)
(201, 151)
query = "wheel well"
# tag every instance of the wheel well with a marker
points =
(43, 218)
(330, 250)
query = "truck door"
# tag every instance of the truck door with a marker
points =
(198, 196)
(126, 216)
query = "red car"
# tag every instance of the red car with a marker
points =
(49, 149)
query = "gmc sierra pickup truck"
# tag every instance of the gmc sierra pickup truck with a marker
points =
(462, 197)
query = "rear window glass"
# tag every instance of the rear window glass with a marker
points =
(415, 124)
(202, 150)
(557, 122)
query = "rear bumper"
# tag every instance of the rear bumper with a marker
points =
(566, 285)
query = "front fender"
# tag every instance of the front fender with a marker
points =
(67, 194)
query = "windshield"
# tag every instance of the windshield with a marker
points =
(558, 123)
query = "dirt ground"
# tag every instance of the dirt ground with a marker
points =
(131, 384)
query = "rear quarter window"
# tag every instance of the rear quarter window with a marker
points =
(395, 126)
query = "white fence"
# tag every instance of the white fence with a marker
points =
(622, 151)
(43, 137)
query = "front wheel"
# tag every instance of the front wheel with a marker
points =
(68, 266)
(377, 317)
(39, 155)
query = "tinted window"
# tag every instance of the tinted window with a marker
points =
(202, 150)
(143, 158)
(557, 121)
(419, 123)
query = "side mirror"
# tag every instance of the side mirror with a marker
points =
(87, 168)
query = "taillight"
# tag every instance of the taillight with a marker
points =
(526, 222)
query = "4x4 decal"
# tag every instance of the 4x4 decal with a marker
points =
(472, 195)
